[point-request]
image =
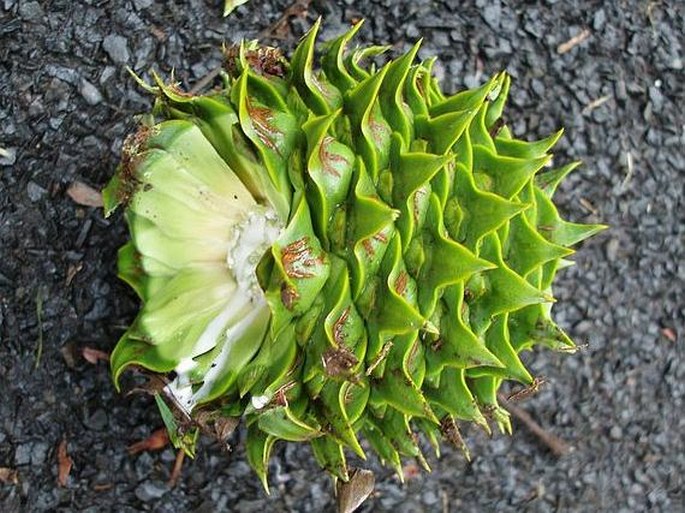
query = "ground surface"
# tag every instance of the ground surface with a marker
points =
(66, 103)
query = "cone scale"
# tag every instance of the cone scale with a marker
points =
(335, 252)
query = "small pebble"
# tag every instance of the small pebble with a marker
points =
(117, 48)
(35, 191)
(8, 156)
(90, 93)
(151, 490)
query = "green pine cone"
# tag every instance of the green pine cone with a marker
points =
(337, 253)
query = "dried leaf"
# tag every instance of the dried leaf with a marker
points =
(9, 476)
(351, 494)
(217, 426)
(224, 428)
(85, 195)
(94, 355)
(70, 354)
(411, 471)
(64, 463)
(154, 385)
(670, 334)
(155, 442)
(533, 388)
(72, 271)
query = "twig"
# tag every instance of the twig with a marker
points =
(588, 206)
(596, 103)
(39, 317)
(445, 501)
(555, 444)
(205, 80)
(298, 8)
(573, 42)
(176, 471)
(157, 441)
(629, 174)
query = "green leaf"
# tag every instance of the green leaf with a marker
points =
(301, 268)
(394, 108)
(330, 166)
(335, 412)
(485, 391)
(525, 249)
(505, 176)
(505, 291)
(370, 227)
(231, 5)
(457, 346)
(454, 396)
(184, 440)
(382, 446)
(330, 456)
(448, 262)
(258, 449)
(333, 62)
(481, 212)
(370, 129)
(319, 95)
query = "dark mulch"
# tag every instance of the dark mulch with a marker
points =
(66, 103)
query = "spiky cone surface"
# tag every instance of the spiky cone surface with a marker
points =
(337, 253)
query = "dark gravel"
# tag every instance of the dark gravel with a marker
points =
(66, 103)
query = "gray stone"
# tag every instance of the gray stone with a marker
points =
(616, 433)
(142, 4)
(22, 454)
(90, 93)
(98, 420)
(31, 11)
(8, 156)
(35, 191)
(117, 48)
(492, 14)
(151, 490)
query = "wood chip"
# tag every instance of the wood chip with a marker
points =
(9, 476)
(573, 42)
(94, 355)
(280, 28)
(555, 444)
(155, 442)
(64, 463)
(85, 195)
